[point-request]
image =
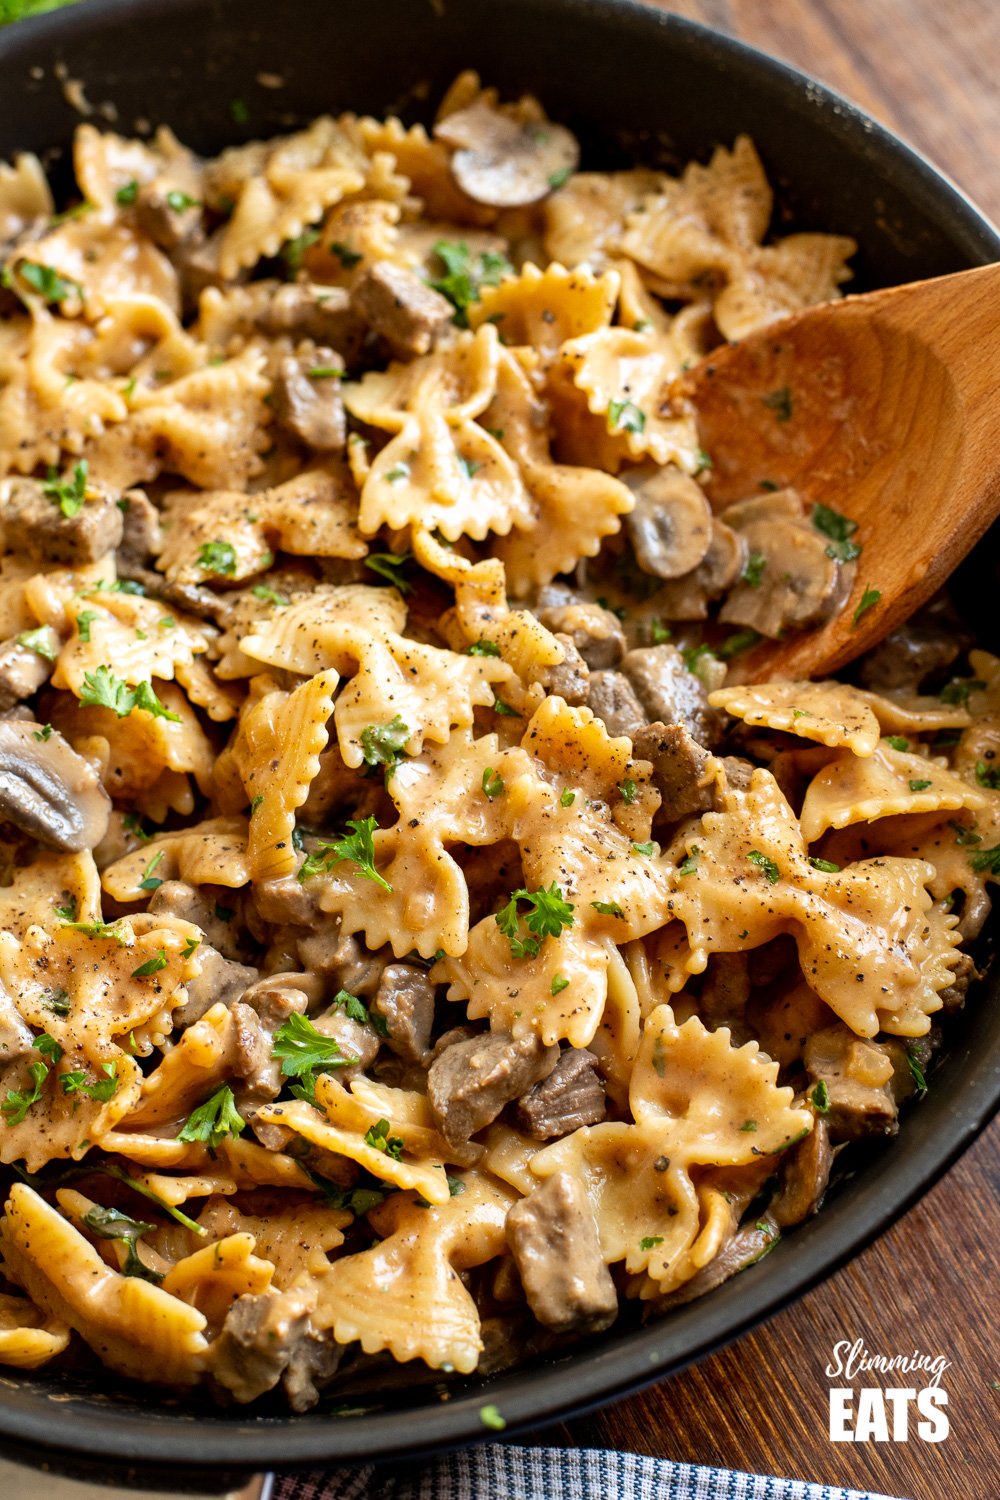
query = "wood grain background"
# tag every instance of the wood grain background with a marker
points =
(930, 69)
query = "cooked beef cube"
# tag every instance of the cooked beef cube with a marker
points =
(340, 959)
(396, 304)
(308, 404)
(553, 1237)
(257, 1014)
(197, 262)
(805, 1173)
(168, 216)
(469, 1083)
(681, 769)
(34, 523)
(286, 900)
(456, 1034)
(299, 310)
(724, 994)
(219, 980)
(858, 1077)
(568, 679)
(175, 898)
(738, 771)
(571, 1096)
(22, 670)
(16, 1036)
(927, 644)
(953, 998)
(141, 536)
(266, 1338)
(612, 698)
(597, 633)
(405, 1001)
(669, 693)
(744, 1249)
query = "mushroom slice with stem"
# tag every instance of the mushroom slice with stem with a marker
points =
(671, 525)
(48, 790)
(504, 160)
(795, 583)
(688, 598)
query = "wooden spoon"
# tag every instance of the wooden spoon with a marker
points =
(885, 407)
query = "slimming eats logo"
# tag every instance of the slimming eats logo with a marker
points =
(912, 1407)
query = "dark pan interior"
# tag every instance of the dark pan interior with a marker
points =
(638, 85)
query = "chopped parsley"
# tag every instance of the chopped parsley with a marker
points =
(45, 733)
(753, 569)
(357, 1010)
(740, 640)
(389, 565)
(465, 275)
(626, 416)
(567, 797)
(659, 632)
(268, 595)
(986, 861)
(217, 557)
(869, 599)
(650, 1241)
(382, 744)
(293, 251)
(897, 742)
(691, 863)
(958, 690)
(920, 785)
(127, 193)
(212, 1121)
(559, 983)
(839, 529)
(483, 648)
(302, 1051)
(101, 689)
(490, 1417)
(152, 965)
(493, 783)
(820, 1097)
(379, 1139)
(39, 641)
(357, 846)
(988, 776)
(101, 1089)
(607, 908)
(628, 790)
(559, 179)
(17, 1103)
(69, 494)
(347, 257)
(917, 1072)
(112, 1224)
(116, 932)
(84, 620)
(964, 835)
(549, 913)
(401, 471)
(748, 1126)
(149, 881)
(502, 708)
(780, 402)
(646, 849)
(47, 282)
(825, 866)
(325, 372)
(768, 866)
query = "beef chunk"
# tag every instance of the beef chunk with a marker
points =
(953, 998)
(805, 1173)
(396, 304)
(169, 217)
(681, 769)
(738, 771)
(22, 670)
(341, 960)
(669, 693)
(553, 1237)
(286, 900)
(596, 633)
(219, 980)
(571, 1096)
(141, 536)
(261, 1009)
(34, 523)
(405, 1001)
(724, 994)
(323, 314)
(858, 1077)
(267, 1338)
(175, 898)
(570, 678)
(927, 644)
(612, 698)
(309, 405)
(469, 1084)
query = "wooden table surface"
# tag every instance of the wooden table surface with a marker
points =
(930, 69)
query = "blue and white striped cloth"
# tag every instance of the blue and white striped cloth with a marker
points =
(494, 1471)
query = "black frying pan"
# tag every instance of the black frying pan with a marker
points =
(636, 84)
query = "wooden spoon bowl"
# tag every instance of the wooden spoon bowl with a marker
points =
(885, 407)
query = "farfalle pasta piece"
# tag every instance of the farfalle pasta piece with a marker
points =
(541, 309)
(133, 1325)
(28, 1338)
(189, 1073)
(783, 278)
(280, 187)
(209, 853)
(869, 942)
(105, 164)
(405, 1293)
(140, 752)
(850, 790)
(626, 377)
(585, 220)
(901, 712)
(356, 630)
(276, 750)
(314, 514)
(212, 1277)
(695, 1100)
(295, 1236)
(424, 162)
(52, 879)
(346, 1127)
(141, 637)
(572, 508)
(103, 261)
(25, 195)
(831, 713)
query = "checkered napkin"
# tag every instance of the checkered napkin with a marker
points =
(497, 1472)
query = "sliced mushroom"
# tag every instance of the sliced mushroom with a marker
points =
(595, 632)
(671, 526)
(688, 598)
(167, 215)
(797, 584)
(505, 161)
(48, 790)
(23, 669)
(306, 399)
